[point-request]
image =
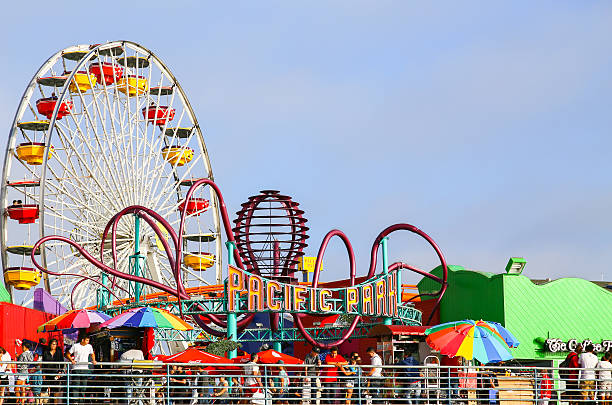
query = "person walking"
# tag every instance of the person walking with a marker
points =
(351, 372)
(280, 384)
(588, 361)
(4, 371)
(52, 372)
(179, 391)
(333, 361)
(571, 383)
(312, 363)
(604, 378)
(79, 355)
(375, 380)
(545, 387)
(26, 358)
(410, 378)
(252, 375)
(221, 392)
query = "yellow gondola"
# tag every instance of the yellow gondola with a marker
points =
(132, 85)
(82, 82)
(199, 261)
(33, 153)
(22, 278)
(177, 155)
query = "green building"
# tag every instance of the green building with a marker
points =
(4, 294)
(548, 318)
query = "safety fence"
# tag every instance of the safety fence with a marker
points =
(190, 384)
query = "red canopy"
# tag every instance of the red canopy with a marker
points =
(193, 355)
(272, 357)
(242, 359)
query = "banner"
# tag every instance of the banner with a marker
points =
(247, 292)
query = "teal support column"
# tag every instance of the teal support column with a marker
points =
(385, 258)
(232, 321)
(103, 293)
(277, 346)
(136, 261)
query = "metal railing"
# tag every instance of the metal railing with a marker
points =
(152, 383)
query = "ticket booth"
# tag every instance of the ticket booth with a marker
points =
(393, 340)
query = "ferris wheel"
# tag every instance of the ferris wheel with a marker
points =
(99, 128)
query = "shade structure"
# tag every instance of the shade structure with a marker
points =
(469, 339)
(195, 355)
(75, 319)
(147, 317)
(272, 357)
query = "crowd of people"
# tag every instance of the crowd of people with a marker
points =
(43, 374)
(588, 377)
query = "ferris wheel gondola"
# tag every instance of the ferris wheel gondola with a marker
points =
(100, 128)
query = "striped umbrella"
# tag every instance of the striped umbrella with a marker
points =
(75, 319)
(510, 339)
(147, 317)
(469, 339)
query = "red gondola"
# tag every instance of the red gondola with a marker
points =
(24, 213)
(106, 72)
(195, 206)
(45, 106)
(158, 115)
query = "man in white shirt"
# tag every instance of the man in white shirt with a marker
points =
(252, 375)
(375, 374)
(79, 357)
(588, 361)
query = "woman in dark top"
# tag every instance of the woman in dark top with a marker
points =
(51, 372)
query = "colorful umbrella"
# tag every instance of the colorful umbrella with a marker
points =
(75, 319)
(147, 317)
(510, 339)
(272, 357)
(469, 339)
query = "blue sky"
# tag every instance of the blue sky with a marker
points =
(485, 124)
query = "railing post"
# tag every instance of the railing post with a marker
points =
(535, 385)
(359, 391)
(167, 384)
(265, 385)
(68, 385)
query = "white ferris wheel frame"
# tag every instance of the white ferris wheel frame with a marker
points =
(25, 102)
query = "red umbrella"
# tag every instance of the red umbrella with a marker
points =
(242, 359)
(272, 357)
(194, 355)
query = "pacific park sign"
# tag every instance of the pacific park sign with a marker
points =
(249, 292)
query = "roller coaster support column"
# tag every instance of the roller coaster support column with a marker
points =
(232, 321)
(135, 266)
(385, 259)
(103, 293)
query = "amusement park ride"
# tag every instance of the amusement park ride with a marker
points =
(112, 203)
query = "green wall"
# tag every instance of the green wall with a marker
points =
(569, 308)
(4, 295)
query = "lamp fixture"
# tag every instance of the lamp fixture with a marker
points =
(515, 265)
